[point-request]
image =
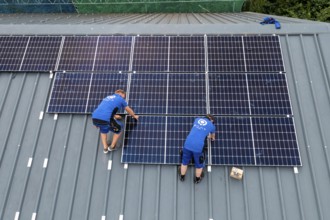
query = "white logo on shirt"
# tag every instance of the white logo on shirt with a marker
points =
(202, 122)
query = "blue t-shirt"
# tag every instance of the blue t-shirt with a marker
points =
(201, 128)
(106, 107)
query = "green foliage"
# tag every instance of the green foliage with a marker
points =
(306, 9)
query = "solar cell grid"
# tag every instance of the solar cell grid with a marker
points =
(144, 141)
(104, 84)
(12, 51)
(269, 94)
(41, 54)
(263, 54)
(69, 93)
(78, 53)
(228, 94)
(234, 143)
(187, 94)
(151, 53)
(225, 54)
(275, 142)
(148, 92)
(113, 53)
(187, 54)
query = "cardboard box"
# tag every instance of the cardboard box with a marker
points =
(236, 173)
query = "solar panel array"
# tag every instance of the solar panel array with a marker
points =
(188, 54)
(169, 81)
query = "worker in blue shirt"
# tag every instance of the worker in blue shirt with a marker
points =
(105, 118)
(193, 146)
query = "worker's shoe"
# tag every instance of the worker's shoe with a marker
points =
(112, 148)
(181, 177)
(105, 151)
(199, 179)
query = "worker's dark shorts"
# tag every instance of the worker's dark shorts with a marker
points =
(188, 154)
(105, 127)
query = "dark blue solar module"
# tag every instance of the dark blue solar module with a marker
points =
(228, 94)
(41, 54)
(263, 54)
(269, 94)
(104, 84)
(186, 94)
(275, 142)
(144, 140)
(69, 93)
(234, 142)
(151, 54)
(12, 51)
(148, 93)
(113, 53)
(225, 54)
(78, 53)
(187, 54)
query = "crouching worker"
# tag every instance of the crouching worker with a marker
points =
(193, 146)
(105, 118)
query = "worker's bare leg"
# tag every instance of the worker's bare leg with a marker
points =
(183, 169)
(114, 140)
(104, 141)
(199, 172)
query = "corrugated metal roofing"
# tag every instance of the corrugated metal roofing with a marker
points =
(55, 169)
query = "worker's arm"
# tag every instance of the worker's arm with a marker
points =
(212, 136)
(131, 112)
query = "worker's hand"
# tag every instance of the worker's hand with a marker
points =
(117, 117)
(136, 117)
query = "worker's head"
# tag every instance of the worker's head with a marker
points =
(210, 117)
(121, 92)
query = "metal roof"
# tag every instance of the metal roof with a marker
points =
(54, 168)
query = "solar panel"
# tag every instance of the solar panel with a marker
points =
(104, 84)
(78, 53)
(186, 94)
(148, 92)
(269, 94)
(263, 54)
(69, 93)
(234, 142)
(12, 51)
(113, 53)
(151, 53)
(144, 141)
(187, 54)
(41, 54)
(228, 94)
(275, 142)
(225, 54)
(155, 139)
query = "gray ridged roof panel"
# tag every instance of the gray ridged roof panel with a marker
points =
(76, 183)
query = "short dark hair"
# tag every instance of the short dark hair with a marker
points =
(211, 117)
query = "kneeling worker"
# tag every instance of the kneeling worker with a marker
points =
(193, 146)
(104, 118)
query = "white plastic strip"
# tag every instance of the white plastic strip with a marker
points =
(45, 163)
(209, 169)
(34, 216)
(55, 116)
(51, 74)
(295, 170)
(16, 216)
(29, 162)
(121, 217)
(125, 166)
(109, 164)
(103, 217)
(41, 115)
